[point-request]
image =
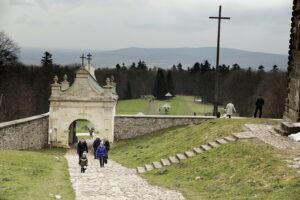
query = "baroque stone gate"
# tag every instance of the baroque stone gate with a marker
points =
(85, 99)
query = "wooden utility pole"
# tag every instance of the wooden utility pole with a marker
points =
(216, 92)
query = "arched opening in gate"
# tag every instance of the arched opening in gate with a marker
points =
(80, 128)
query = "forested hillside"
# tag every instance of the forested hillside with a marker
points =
(24, 90)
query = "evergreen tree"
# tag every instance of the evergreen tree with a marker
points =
(179, 67)
(205, 67)
(275, 68)
(128, 93)
(235, 67)
(160, 87)
(261, 68)
(142, 65)
(170, 83)
(195, 68)
(118, 67)
(46, 59)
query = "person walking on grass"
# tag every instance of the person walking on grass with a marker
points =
(81, 147)
(95, 146)
(101, 153)
(230, 109)
(83, 162)
(259, 104)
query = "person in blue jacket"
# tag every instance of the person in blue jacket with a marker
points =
(101, 153)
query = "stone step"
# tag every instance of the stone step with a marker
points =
(197, 150)
(157, 165)
(280, 131)
(205, 147)
(221, 141)
(149, 167)
(243, 135)
(230, 138)
(165, 162)
(140, 170)
(290, 127)
(214, 144)
(181, 156)
(189, 154)
(173, 159)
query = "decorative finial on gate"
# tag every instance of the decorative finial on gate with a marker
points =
(107, 81)
(55, 79)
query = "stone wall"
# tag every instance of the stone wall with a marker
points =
(32, 132)
(26, 133)
(130, 126)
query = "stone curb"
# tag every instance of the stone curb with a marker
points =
(195, 151)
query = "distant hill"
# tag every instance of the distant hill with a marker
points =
(161, 57)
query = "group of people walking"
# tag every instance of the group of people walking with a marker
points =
(229, 109)
(101, 149)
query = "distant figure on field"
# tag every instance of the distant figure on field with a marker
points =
(101, 153)
(83, 162)
(230, 109)
(259, 104)
(107, 146)
(91, 133)
(95, 146)
(81, 147)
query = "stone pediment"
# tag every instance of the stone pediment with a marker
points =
(84, 88)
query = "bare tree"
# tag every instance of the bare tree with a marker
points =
(8, 50)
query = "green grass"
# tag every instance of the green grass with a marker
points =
(161, 144)
(81, 126)
(180, 105)
(245, 169)
(33, 175)
(132, 106)
(236, 171)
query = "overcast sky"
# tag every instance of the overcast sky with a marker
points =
(258, 25)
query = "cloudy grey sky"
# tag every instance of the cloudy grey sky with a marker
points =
(258, 25)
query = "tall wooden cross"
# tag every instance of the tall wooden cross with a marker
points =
(216, 92)
(82, 60)
(89, 58)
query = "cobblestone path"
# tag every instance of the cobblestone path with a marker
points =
(113, 182)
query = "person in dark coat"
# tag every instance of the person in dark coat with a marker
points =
(259, 105)
(101, 153)
(81, 147)
(95, 146)
(107, 146)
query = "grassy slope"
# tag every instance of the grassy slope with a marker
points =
(33, 175)
(132, 106)
(149, 148)
(180, 105)
(245, 169)
(239, 170)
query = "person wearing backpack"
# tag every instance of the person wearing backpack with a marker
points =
(83, 162)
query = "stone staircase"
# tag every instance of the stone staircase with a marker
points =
(287, 128)
(188, 154)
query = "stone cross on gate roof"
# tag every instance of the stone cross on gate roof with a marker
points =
(82, 58)
(89, 58)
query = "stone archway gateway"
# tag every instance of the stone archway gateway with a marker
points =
(85, 99)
